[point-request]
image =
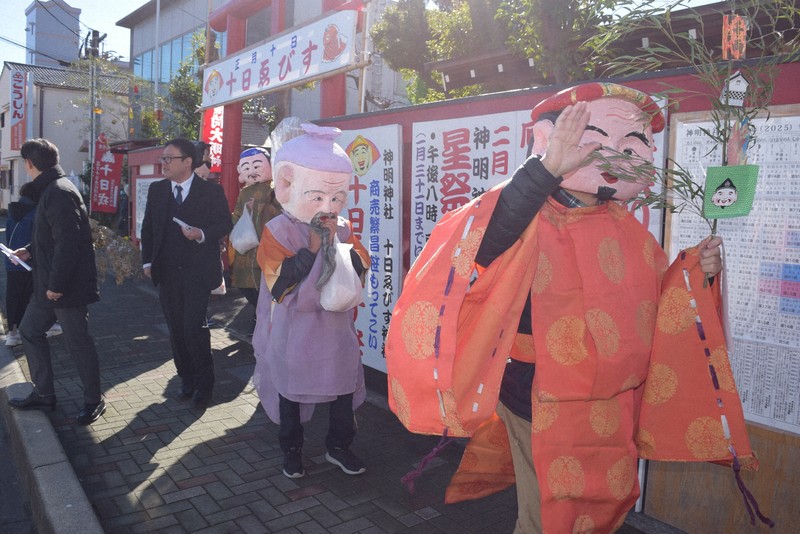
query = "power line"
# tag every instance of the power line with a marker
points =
(6, 39)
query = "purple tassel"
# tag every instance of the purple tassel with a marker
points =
(749, 501)
(409, 478)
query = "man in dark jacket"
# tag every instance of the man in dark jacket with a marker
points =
(184, 220)
(64, 283)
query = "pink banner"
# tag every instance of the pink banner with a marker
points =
(106, 174)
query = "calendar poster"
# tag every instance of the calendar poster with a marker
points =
(762, 264)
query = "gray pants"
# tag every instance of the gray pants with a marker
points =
(75, 323)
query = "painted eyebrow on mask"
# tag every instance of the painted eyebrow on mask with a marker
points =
(593, 128)
(640, 136)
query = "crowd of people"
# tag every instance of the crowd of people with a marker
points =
(556, 247)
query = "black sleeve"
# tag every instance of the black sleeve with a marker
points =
(519, 202)
(293, 270)
(356, 260)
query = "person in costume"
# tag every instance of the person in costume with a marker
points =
(305, 354)
(255, 173)
(555, 253)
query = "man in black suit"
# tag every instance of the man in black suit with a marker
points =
(184, 220)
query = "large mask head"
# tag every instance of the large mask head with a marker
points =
(254, 166)
(312, 173)
(623, 121)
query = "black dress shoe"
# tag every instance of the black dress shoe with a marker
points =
(201, 400)
(34, 401)
(91, 412)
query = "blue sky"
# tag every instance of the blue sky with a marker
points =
(101, 15)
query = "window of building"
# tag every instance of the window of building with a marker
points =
(171, 55)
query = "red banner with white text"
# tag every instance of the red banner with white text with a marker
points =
(212, 134)
(106, 174)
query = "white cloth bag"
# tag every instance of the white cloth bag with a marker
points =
(244, 237)
(343, 291)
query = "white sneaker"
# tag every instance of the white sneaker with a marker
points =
(55, 330)
(13, 339)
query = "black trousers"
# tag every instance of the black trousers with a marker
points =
(75, 324)
(251, 294)
(341, 424)
(184, 303)
(19, 288)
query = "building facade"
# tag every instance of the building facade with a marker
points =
(54, 103)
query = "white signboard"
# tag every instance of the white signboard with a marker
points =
(141, 186)
(455, 160)
(762, 267)
(304, 53)
(375, 210)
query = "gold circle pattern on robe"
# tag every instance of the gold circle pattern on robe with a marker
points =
(674, 316)
(565, 340)
(565, 478)
(419, 329)
(661, 385)
(705, 438)
(467, 250)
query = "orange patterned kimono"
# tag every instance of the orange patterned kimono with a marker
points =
(594, 275)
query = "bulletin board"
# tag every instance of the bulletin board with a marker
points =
(762, 278)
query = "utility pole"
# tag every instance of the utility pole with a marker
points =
(94, 107)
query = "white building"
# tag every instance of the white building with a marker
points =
(53, 33)
(161, 40)
(56, 107)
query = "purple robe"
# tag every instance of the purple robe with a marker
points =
(304, 352)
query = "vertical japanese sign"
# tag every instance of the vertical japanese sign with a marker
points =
(375, 210)
(306, 52)
(17, 107)
(106, 174)
(212, 134)
(456, 160)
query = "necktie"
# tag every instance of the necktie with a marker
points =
(178, 195)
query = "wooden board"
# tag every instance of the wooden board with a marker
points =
(704, 498)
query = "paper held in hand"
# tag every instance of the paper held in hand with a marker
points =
(181, 223)
(13, 257)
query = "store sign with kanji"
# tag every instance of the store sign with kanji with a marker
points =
(309, 52)
(106, 174)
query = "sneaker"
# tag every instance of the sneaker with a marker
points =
(13, 339)
(55, 330)
(346, 460)
(293, 463)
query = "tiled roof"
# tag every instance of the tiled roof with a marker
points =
(70, 78)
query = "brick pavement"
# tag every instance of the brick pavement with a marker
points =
(151, 464)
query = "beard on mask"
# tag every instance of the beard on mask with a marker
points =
(328, 248)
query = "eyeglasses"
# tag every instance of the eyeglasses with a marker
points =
(168, 159)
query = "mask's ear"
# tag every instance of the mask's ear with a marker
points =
(541, 136)
(283, 182)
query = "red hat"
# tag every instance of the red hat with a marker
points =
(588, 92)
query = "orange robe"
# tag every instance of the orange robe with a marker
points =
(594, 275)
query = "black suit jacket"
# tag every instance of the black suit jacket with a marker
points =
(205, 208)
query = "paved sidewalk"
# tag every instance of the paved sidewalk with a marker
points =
(152, 464)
